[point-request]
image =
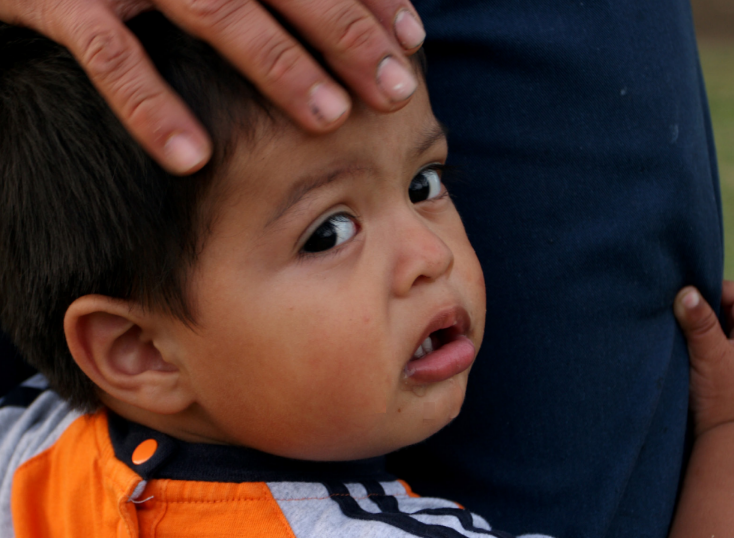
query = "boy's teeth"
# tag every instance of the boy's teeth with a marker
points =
(427, 345)
(424, 349)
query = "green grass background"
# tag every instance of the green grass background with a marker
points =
(717, 61)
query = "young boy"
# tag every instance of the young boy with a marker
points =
(231, 352)
(308, 298)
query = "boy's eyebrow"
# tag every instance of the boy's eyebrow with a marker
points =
(433, 134)
(301, 188)
(437, 131)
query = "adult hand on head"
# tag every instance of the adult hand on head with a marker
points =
(364, 42)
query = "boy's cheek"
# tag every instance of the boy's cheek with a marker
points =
(471, 278)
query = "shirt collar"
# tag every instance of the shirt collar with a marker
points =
(179, 460)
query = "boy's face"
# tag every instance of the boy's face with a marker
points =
(330, 260)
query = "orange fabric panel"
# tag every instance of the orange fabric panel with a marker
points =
(210, 509)
(77, 488)
(62, 493)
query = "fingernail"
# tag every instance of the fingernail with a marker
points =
(183, 154)
(408, 30)
(327, 103)
(691, 299)
(395, 80)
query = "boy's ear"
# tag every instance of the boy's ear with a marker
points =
(127, 352)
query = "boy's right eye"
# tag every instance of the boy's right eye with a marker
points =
(334, 231)
(426, 185)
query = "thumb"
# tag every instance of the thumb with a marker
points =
(706, 338)
(711, 355)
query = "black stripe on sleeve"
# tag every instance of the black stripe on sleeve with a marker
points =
(389, 504)
(350, 508)
(20, 396)
(465, 518)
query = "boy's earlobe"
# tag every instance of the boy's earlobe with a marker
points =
(125, 351)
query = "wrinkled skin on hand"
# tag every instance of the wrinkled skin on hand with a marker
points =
(365, 42)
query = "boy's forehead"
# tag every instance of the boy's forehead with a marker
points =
(286, 164)
(301, 186)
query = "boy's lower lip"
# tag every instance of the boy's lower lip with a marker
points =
(444, 363)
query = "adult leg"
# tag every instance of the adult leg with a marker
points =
(587, 182)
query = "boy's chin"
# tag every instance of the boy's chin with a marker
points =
(425, 418)
(368, 445)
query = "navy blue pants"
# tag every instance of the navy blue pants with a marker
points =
(587, 181)
(585, 174)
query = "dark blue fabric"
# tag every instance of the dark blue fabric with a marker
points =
(13, 370)
(590, 193)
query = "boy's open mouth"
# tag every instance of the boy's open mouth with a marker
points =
(434, 341)
(444, 350)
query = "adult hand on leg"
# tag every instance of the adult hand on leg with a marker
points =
(712, 356)
(704, 507)
(364, 42)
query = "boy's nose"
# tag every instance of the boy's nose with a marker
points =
(421, 256)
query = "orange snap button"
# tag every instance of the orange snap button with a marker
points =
(145, 451)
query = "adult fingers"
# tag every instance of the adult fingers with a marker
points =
(354, 42)
(707, 344)
(254, 42)
(401, 19)
(123, 74)
(350, 37)
(712, 360)
(357, 46)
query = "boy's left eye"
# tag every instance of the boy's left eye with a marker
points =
(334, 231)
(426, 185)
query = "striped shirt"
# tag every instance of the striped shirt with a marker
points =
(67, 474)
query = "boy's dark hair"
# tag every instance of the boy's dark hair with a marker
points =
(82, 208)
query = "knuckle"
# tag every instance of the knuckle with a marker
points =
(142, 104)
(114, 64)
(276, 58)
(216, 14)
(105, 54)
(706, 325)
(127, 9)
(206, 8)
(358, 31)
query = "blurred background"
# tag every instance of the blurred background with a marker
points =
(715, 31)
